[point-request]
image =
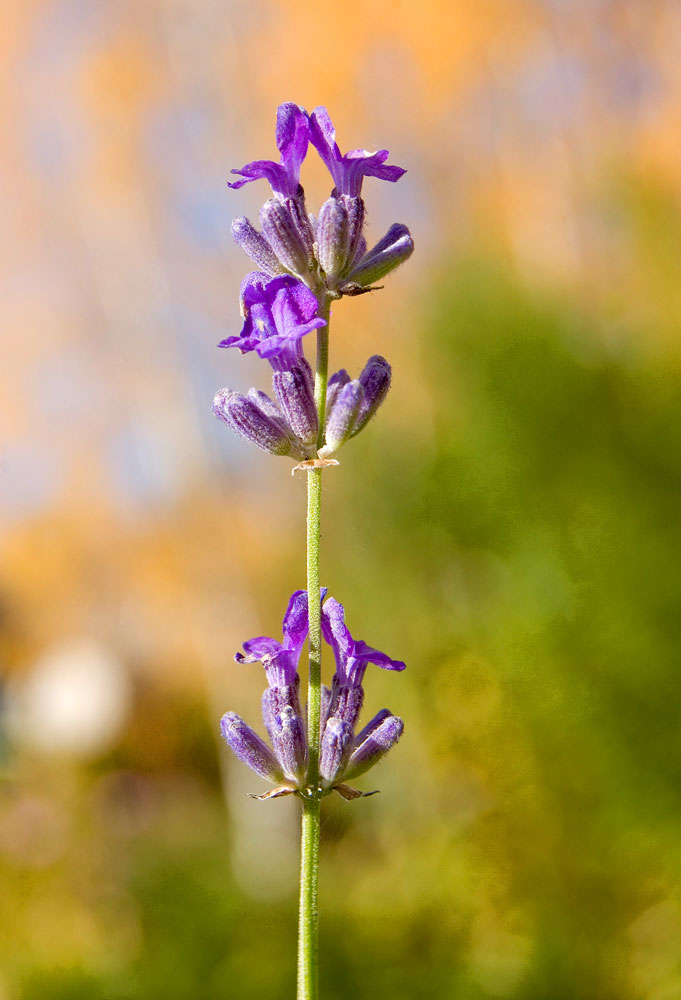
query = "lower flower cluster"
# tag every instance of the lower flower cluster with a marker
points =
(344, 753)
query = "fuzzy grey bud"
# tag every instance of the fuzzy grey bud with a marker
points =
(250, 748)
(283, 234)
(395, 247)
(294, 390)
(248, 419)
(375, 380)
(335, 749)
(247, 237)
(375, 746)
(342, 416)
(333, 238)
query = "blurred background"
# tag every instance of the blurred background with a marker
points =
(509, 525)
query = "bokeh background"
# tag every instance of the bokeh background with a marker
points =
(509, 526)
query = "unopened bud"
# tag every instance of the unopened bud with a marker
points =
(336, 383)
(342, 417)
(335, 749)
(247, 418)
(356, 215)
(283, 235)
(375, 380)
(294, 390)
(333, 238)
(395, 247)
(375, 746)
(290, 744)
(250, 748)
(256, 246)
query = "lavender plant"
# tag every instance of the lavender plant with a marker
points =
(304, 263)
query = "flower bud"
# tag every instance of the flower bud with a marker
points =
(375, 380)
(246, 417)
(371, 726)
(290, 745)
(395, 247)
(333, 238)
(335, 748)
(326, 701)
(356, 215)
(256, 246)
(336, 383)
(346, 702)
(376, 745)
(275, 699)
(249, 748)
(294, 390)
(342, 417)
(283, 235)
(303, 224)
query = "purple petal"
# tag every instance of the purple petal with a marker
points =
(368, 654)
(335, 630)
(275, 173)
(259, 648)
(292, 137)
(323, 137)
(296, 622)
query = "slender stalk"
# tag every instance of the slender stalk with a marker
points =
(308, 923)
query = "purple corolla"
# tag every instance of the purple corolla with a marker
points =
(349, 170)
(278, 312)
(292, 137)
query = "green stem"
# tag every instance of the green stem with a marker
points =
(308, 923)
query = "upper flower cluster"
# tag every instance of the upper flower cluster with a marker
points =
(344, 754)
(303, 263)
(328, 253)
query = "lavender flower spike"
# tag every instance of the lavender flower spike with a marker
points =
(349, 170)
(278, 313)
(292, 138)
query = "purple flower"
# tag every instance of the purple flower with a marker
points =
(352, 655)
(280, 659)
(278, 312)
(349, 170)
(292, 138)
(347, 695)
